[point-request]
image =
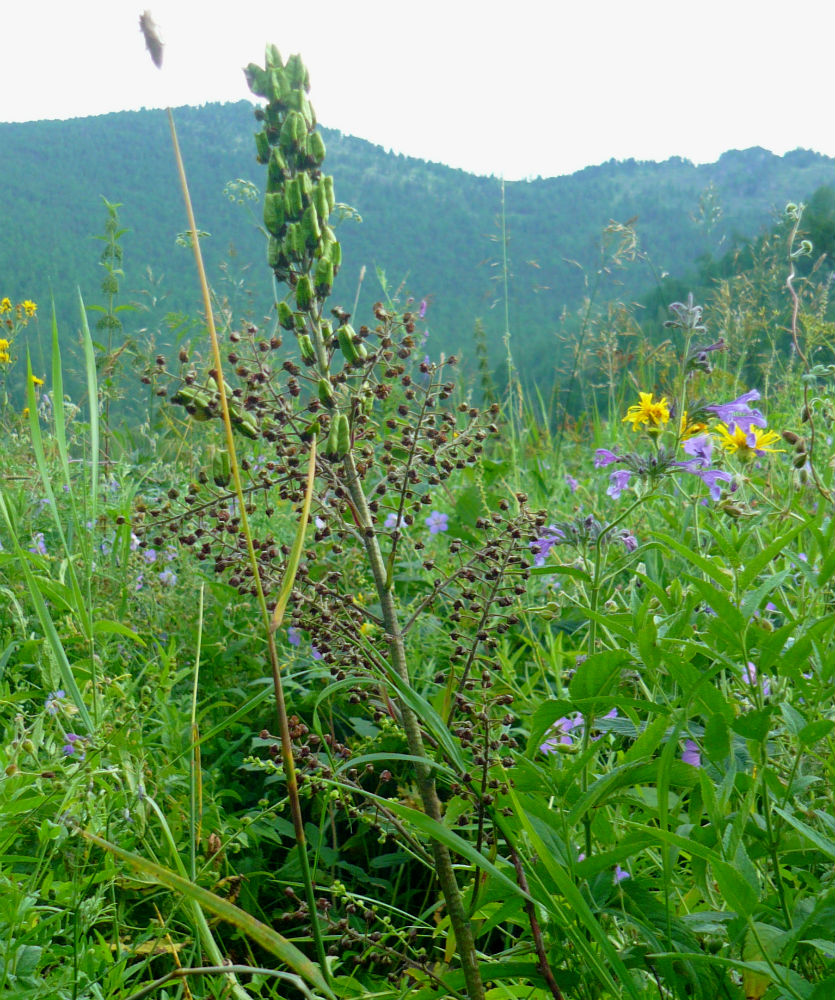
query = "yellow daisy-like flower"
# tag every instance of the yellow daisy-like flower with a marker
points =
(653, 414)
(686, 430)
(746, 444)
(5, 358)
(5, 305)
(36, 381)
(29, 307)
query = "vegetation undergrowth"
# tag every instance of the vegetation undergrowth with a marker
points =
(337, 683)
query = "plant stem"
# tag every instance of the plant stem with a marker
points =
(426, 782)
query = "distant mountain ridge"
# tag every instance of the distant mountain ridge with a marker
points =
(432, 229)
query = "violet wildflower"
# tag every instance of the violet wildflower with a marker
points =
(560, 733)
(392, 521)
(140, 582)
(618, 482)
(542, 546)
(604, 457)
(749, 674)
(314, 652)
(710, 477)
(150, 556)
(437, 522)
(701, 448)
(134, 542)
(630, 542)
(422, 308)
(739, 412)
(690, 754)
(571, 482)
(168, 578)
(621, 874)
(170, 553)
(53, 702)
(294, 636)
(38, 546)
(74, 746)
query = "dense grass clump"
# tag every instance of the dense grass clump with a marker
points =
(339, 678)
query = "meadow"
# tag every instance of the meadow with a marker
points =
(332, 673)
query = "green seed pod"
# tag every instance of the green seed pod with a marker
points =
(306, 349)
(296, 71)
(277, 165)
(221, 473)
(326, 330)
(324, 278)
(325, 393)
(294, 242)
(331, 449)
(274, 252)
(272, 57)
(277, 85)
(312, 428)
(196, 401)
(274, 214)
(304, 293)
(293, 126)
(262, 147)
(316, 148)
(305, 187)
(293, 206)
(256, 80)
(244, 423)
(285, 316)
(327, 182)
(345, 334)
(320, 201)
(300, 322)
(310, 228)
(334, 254)
(343, 435)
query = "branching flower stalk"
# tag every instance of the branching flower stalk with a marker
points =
(155, 47)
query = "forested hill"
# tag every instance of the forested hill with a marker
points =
(434, 231)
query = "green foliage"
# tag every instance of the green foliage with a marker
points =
(630, 742)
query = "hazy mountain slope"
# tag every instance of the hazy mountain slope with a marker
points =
(435, 227)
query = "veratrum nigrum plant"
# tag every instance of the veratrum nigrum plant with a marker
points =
(389, 440)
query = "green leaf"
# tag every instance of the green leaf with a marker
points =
(596, 675)
(717, 738)
(754, 725)
(736, 891)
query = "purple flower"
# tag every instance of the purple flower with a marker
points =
(618, 482)
(150, 556)
(140, 582)
(422, 308)
(314, 652)
(571, 483)
(604, 457)
(170, 553)
(168, 578)
(542, 546)
(74, 744)
(392, 521)
(701, 448)
(630, 542)
(739, 412)
(437, 522)
(294, 636)
(38, 546)
(749, 674)
(134, 542)
(710, 477)
(621, 874)
(690, 754)
(560, 733)
(53, 702)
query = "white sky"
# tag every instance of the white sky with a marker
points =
(519, 88)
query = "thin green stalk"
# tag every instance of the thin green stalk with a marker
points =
(425, 780)
(281, 710)
(196, 789)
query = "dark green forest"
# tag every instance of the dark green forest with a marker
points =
(622, 230)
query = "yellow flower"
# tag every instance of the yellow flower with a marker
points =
(36, 381)
(4, 351)
(648, 412)
(29, 307)
(746, 444)
(686, 430)
(5, 305)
